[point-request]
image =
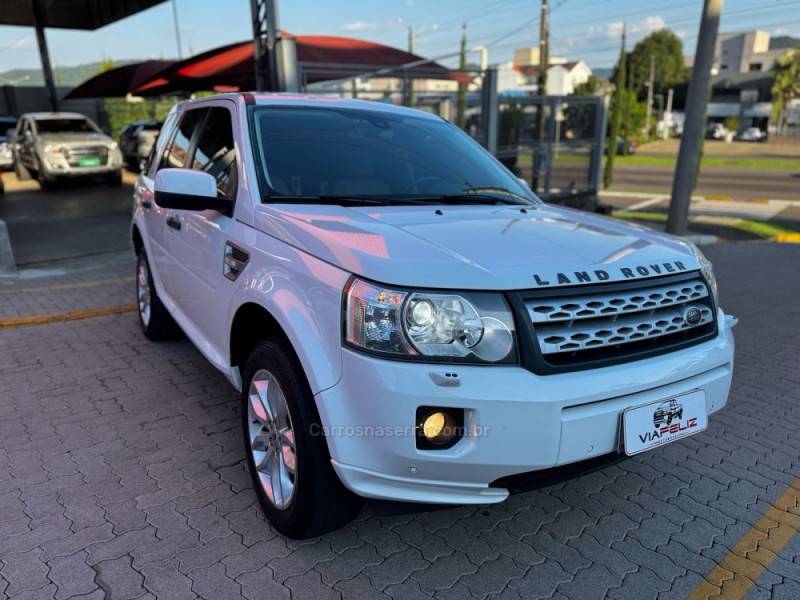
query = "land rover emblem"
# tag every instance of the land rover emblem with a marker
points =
(692, 316)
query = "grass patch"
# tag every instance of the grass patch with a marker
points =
(636, 215)
(762, 229)
(783, 164)
(752, 229)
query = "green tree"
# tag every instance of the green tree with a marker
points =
(786, 87)
(590, 87)
(670, 69)
(106, 65)
(616, 115)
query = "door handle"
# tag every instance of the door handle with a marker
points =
(147, 204)
(174, 222)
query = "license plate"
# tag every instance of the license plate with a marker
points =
(89, 161)
(658, 423)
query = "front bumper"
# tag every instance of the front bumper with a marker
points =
(515, 421)
(56, 166)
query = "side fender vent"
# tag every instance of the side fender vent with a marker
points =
(234, 262)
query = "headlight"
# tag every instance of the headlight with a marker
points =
(112, 146)
(51, 149)
(435, 326)
(707, 269)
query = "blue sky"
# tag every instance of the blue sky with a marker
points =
(580, 29)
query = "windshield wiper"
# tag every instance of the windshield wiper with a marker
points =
(326, 199)
(453, 199)
(467, 198)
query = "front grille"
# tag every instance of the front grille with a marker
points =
(73, 155)
(586, 326)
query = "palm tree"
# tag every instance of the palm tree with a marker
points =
(786, 87)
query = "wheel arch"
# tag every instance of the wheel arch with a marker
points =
(136, 239)
(252, 322)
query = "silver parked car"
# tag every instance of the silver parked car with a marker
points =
(136, 140)
(6, 153)
(58, 145)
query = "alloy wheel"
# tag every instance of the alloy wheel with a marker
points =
(271, 439)
(143, 291)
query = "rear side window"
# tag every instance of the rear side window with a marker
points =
(215, 153)
(175, 157)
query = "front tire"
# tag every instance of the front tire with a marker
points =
(156, 322)
(47, 184)
(297, 488)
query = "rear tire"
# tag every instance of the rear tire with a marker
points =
(157, 324)
(22, 173)
(308, 499)
(115, 179)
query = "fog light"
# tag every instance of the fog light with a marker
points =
(439, 428)
(433, 425)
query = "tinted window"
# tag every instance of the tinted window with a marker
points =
(215, 153)
(366, 153)
(161, 141)
(175, 156)
(65, 126)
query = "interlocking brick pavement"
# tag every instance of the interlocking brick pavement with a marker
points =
(122, 476)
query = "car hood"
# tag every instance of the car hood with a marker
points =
(476, 247)
(73, 138)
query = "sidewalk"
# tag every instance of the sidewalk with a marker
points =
(87, 284)
(773, 219)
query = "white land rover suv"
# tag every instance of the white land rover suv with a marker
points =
(403, 317)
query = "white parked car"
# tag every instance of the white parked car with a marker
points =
(404, 319)
(751, 134)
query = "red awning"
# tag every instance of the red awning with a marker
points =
(319, 57)
(120, 81)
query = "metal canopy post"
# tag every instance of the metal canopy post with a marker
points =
(47, 70)
(265, 34)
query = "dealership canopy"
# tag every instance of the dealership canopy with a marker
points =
(319, 58)
(66, 14)
(120, 81)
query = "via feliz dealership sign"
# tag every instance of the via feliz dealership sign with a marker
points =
(616, 274)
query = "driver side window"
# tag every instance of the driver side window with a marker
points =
(215, 153)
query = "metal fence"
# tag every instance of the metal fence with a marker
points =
(555, 143)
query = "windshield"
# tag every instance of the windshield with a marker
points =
(326, 154)
(72, 125)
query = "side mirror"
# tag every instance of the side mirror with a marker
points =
(185, 189)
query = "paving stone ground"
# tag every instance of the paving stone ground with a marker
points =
(121, 476)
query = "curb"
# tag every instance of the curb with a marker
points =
(787, 238)
(8, 268)
(76, 315)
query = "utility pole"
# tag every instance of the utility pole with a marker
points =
(408, 81)
(668, 121)
(650, 83)
(544, 48)
(461, 98)
(693, 128)
(540, 154)
(177, 28)
(616, 117)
